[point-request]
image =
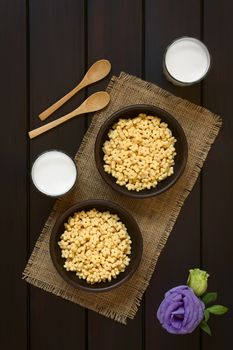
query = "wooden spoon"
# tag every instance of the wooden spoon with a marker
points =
(93, 103)
(96, 72)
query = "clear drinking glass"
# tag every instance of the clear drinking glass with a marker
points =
(186, 61)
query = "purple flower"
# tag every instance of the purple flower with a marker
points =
(181, 311)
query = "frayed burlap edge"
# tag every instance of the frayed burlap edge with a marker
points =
(200, 158)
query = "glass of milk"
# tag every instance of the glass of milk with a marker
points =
(186, 61)
(54, 173)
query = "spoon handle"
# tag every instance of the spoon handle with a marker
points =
(38, 131)
(45, 114)
(93, 103)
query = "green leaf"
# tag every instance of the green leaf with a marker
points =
(205, 327)
(217, 309)
(206, 315)
(209, 298)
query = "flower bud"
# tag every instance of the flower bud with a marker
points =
(197, 280)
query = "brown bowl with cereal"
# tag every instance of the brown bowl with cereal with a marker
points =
(141, 151)
(96, 245)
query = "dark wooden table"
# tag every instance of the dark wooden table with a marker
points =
(46, 46)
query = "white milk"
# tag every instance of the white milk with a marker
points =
(54, 173)
(187, 60)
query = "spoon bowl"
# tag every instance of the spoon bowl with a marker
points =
(96, 102)
(97, 71)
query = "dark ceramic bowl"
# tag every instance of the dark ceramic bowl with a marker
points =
(181, 149)
(136, 246)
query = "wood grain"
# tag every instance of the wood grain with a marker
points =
(217, 189)
(63, 39)
(165, 21)
(114, 32)
(56, 64)
(14, 174)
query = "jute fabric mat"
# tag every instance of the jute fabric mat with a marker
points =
(155, 216)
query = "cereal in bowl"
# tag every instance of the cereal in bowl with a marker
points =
(140, 152)
(95, 245)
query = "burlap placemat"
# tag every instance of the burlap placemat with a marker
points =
(155, 216)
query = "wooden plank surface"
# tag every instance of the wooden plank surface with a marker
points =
(13, 148)
(165, 21)
(64, 38)
(114, 32)
(217, 175)
(56, 66)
